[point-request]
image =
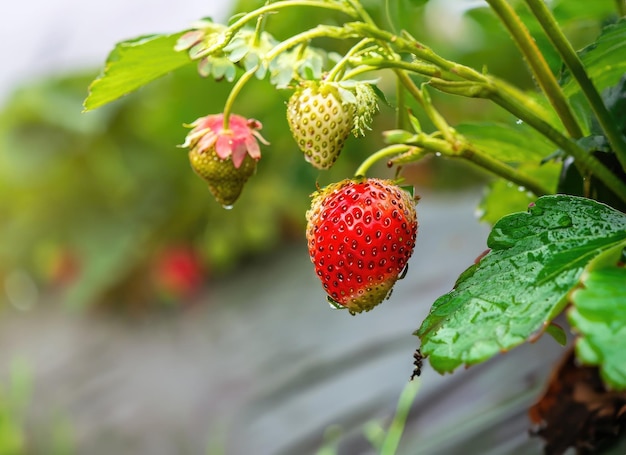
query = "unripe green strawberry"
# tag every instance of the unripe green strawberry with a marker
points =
(224, 158)
(224, 179)
(361, 234)
(320, 121)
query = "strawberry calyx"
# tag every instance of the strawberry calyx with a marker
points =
(235, 142)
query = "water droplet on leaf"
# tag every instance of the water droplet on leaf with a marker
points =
(565, 221)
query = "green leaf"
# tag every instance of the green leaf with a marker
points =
(557, 333)
(133, 64)
(515, 290)
(614, 98)
(502, 141)
(599, 315)
(504, 197)
(604, 60)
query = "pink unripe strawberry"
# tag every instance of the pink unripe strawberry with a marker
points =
(224, 158)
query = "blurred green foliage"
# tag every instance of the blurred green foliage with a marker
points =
(90, 201)
(17, 436)
(14, 398)
(111, 188)
(97, 196)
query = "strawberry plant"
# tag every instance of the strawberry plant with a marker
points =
(557, 154)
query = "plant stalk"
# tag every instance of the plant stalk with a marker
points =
(272, 8)
(538, 65)
(338, 68)
(258, 31)
(407, 43)
(471, 153)
(421, 97)
(485, 161)
(575, 65)
(245, 77)
(387, 152)
(425, 143)
(321, 31)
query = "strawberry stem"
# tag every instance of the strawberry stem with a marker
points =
(401, 111)
(423, 98)
(387, 152)
(335, 72)
(260, 24)
(461, 148)
(356, 4)
(321, 31)
(418, 67)
(245, 77)
(406, 43)
(263, 11)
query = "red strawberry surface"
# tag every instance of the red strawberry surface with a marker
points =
(361, 234)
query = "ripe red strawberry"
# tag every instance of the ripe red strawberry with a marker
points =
(361, 234)
(224, 158)
(320, 120)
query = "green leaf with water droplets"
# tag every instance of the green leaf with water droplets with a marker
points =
(514, 291)
(599, 316)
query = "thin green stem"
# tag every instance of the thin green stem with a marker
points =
(488, 90)
(465, 150)
(394, 434)
(422, 68)
(272, 8)
(538, 65)
(260, 25)
(422, 144)
(407, 43)
(453, 146)
(485, 161)
(575, 65)
(321, 31)
(356, 4)
(388, 16)
(337, 69)
(245, 77)
(621, 7)
(518, 104)
(438, 120)
(401, 112)
(387, 152)
(359, 70)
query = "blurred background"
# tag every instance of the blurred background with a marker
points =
(139, 317)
